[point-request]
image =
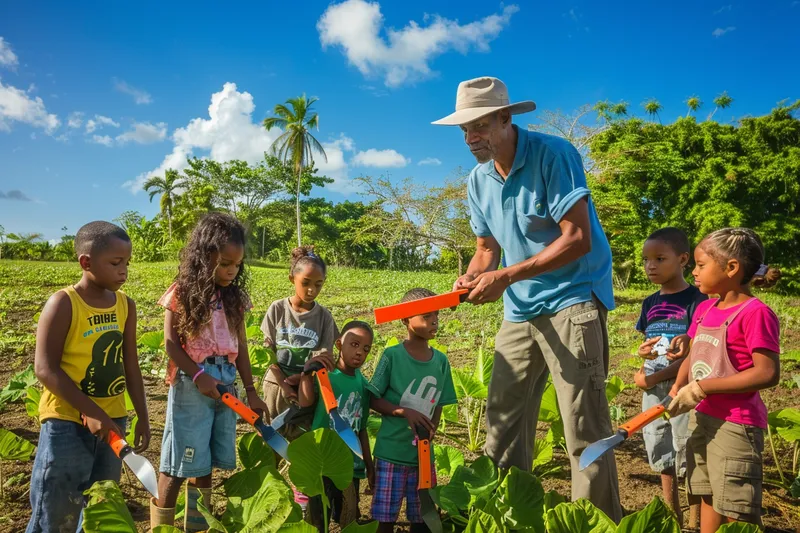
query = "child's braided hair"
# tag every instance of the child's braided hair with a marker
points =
(744, 245)
(305, 255)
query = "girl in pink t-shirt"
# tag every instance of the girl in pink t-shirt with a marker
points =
(733, 355)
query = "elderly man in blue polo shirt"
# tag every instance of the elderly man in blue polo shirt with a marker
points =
(541, 247)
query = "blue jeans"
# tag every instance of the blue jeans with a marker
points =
(199, 433)
(68, 461)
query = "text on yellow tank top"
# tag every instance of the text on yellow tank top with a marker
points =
(92, 358)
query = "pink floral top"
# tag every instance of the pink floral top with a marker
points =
(214, 339)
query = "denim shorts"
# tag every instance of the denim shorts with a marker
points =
(200, 433)
(665, 440)
(68, 461)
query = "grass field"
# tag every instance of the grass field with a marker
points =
(25, 286)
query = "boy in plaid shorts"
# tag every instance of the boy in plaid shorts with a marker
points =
(413, 383)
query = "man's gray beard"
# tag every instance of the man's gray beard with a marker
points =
(484, 157)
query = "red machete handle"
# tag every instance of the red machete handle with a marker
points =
(249, 416)
(642, 419)
(420, 307)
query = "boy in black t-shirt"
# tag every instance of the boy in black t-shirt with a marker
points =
(666, 315)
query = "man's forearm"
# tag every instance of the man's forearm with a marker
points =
(561, 252)
(484, 260)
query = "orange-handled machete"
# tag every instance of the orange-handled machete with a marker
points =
(425, 482)
(140, 466)
(420, 307)
(273, 439)
(341, 426)
(597, 449)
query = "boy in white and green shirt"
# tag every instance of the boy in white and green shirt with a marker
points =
(352, 391)
(411, 384)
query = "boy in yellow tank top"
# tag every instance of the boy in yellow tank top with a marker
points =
(85, 359)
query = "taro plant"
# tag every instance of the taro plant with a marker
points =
(472, 389)
(17, 385)
(583, 517)
(152, 353)
(13, 448)
(786, 424)
(32, 397)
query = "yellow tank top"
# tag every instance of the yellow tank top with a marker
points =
(92, 358)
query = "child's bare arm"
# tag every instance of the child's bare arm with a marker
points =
(765, 373)
(306, 393)
(246, 373)
(683, 377)
(666, 373)
(415, 418)
(172, 341)
(51, 334)
(133, 380)
(363, 437)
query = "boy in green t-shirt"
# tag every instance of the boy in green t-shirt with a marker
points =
(352, 394)
(411, 384)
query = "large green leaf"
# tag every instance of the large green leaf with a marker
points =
(787, 423)
(452, 498)
(153, 341)
(319, 453)
(485, 477)
(656, 517)
(578, 517)
(467, 386)
(447, 459)
(551, 499)
(524, 495)
(355, 527)
(32, 397)
(17, 386)
(269, 508)
(14, 448)
(548, 411)
(480, 522)
(614, 385)
(543, 450)
(106, 511)
(211, 520)
(483, 366)
(245, 483)
(297, 527)
(450, 413)
(739, 527)
(254, 452)
(166, 529)
(373, 425)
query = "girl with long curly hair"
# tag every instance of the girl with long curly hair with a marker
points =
(204, 333)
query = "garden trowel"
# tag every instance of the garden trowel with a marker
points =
(140, 466)
(273, 439)
(340, 425)
(420, 307)
(597, 449)
(425, 482)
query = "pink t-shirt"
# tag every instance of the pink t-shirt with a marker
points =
(756, 328)
(214, 339)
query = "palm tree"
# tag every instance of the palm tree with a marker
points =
(693, 103)
(167, 187)
(652, 106)
(722, 101)
(296, 146)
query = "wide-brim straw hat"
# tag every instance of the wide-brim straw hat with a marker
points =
(480, 97)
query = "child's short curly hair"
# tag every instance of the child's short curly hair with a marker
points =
(417, 294)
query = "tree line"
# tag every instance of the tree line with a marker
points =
(698, 175)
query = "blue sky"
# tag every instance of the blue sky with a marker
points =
(96, 96)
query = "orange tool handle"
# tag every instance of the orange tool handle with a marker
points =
(117, 443)
(425, 478)
(326, 390)
(239, 408)
(420, 307)
(642, 419)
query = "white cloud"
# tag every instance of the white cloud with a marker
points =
(723, 9)
(8, 58)
(144, 133)
(17, 106)
(356, 27)
(336, 166)
(75, 119)
(228, 133)
(139, 96)
(105, 140)
(98, 122)
(430, 161)
(31, 88)
(719, 32)
(380, 159)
